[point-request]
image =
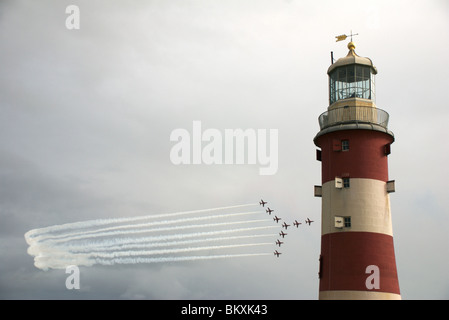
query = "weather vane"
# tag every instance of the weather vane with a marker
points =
(343, 36)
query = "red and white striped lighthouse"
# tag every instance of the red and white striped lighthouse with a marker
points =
(357, 259)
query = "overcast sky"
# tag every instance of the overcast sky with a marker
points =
(86, 117)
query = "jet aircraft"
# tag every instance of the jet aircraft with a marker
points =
(285, 225)
(282, 234)
(309, 221)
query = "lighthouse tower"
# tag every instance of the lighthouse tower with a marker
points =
(357, 259)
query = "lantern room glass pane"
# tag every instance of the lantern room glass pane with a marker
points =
(352, 81)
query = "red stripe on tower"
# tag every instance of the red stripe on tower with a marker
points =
(357, 259)
(370, 161)
(349, 254)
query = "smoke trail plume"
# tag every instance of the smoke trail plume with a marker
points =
(177, 259)
(101, 222)
(161, 238)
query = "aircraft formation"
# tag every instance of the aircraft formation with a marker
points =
(284, 225)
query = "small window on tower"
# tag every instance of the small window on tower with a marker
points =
(318, 155)
(347, 222)
(345, 182)
(344, 145)
(387, 149)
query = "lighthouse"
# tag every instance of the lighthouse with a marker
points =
(357, 259)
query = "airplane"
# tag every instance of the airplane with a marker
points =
(282, 234)
(279, 243)
(285, 225)
(309, 221)
(276, 219)
(269, 211)
(296, 223)
(276, 253)
(262, 203)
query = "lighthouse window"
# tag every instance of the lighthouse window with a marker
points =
(347, 222)
(345, 182)
(351, 81)
(387, 149)
(344, 145)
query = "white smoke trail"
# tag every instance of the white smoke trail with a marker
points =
(36, 248)
(148, 226)
(73, 257)
(89, 235)
(59, 259)
(99, 241)
(176, 259)
(147, 245)
(45, 264)
(101, 222)
(118, 254)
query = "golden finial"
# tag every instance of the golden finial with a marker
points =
(351, 45)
